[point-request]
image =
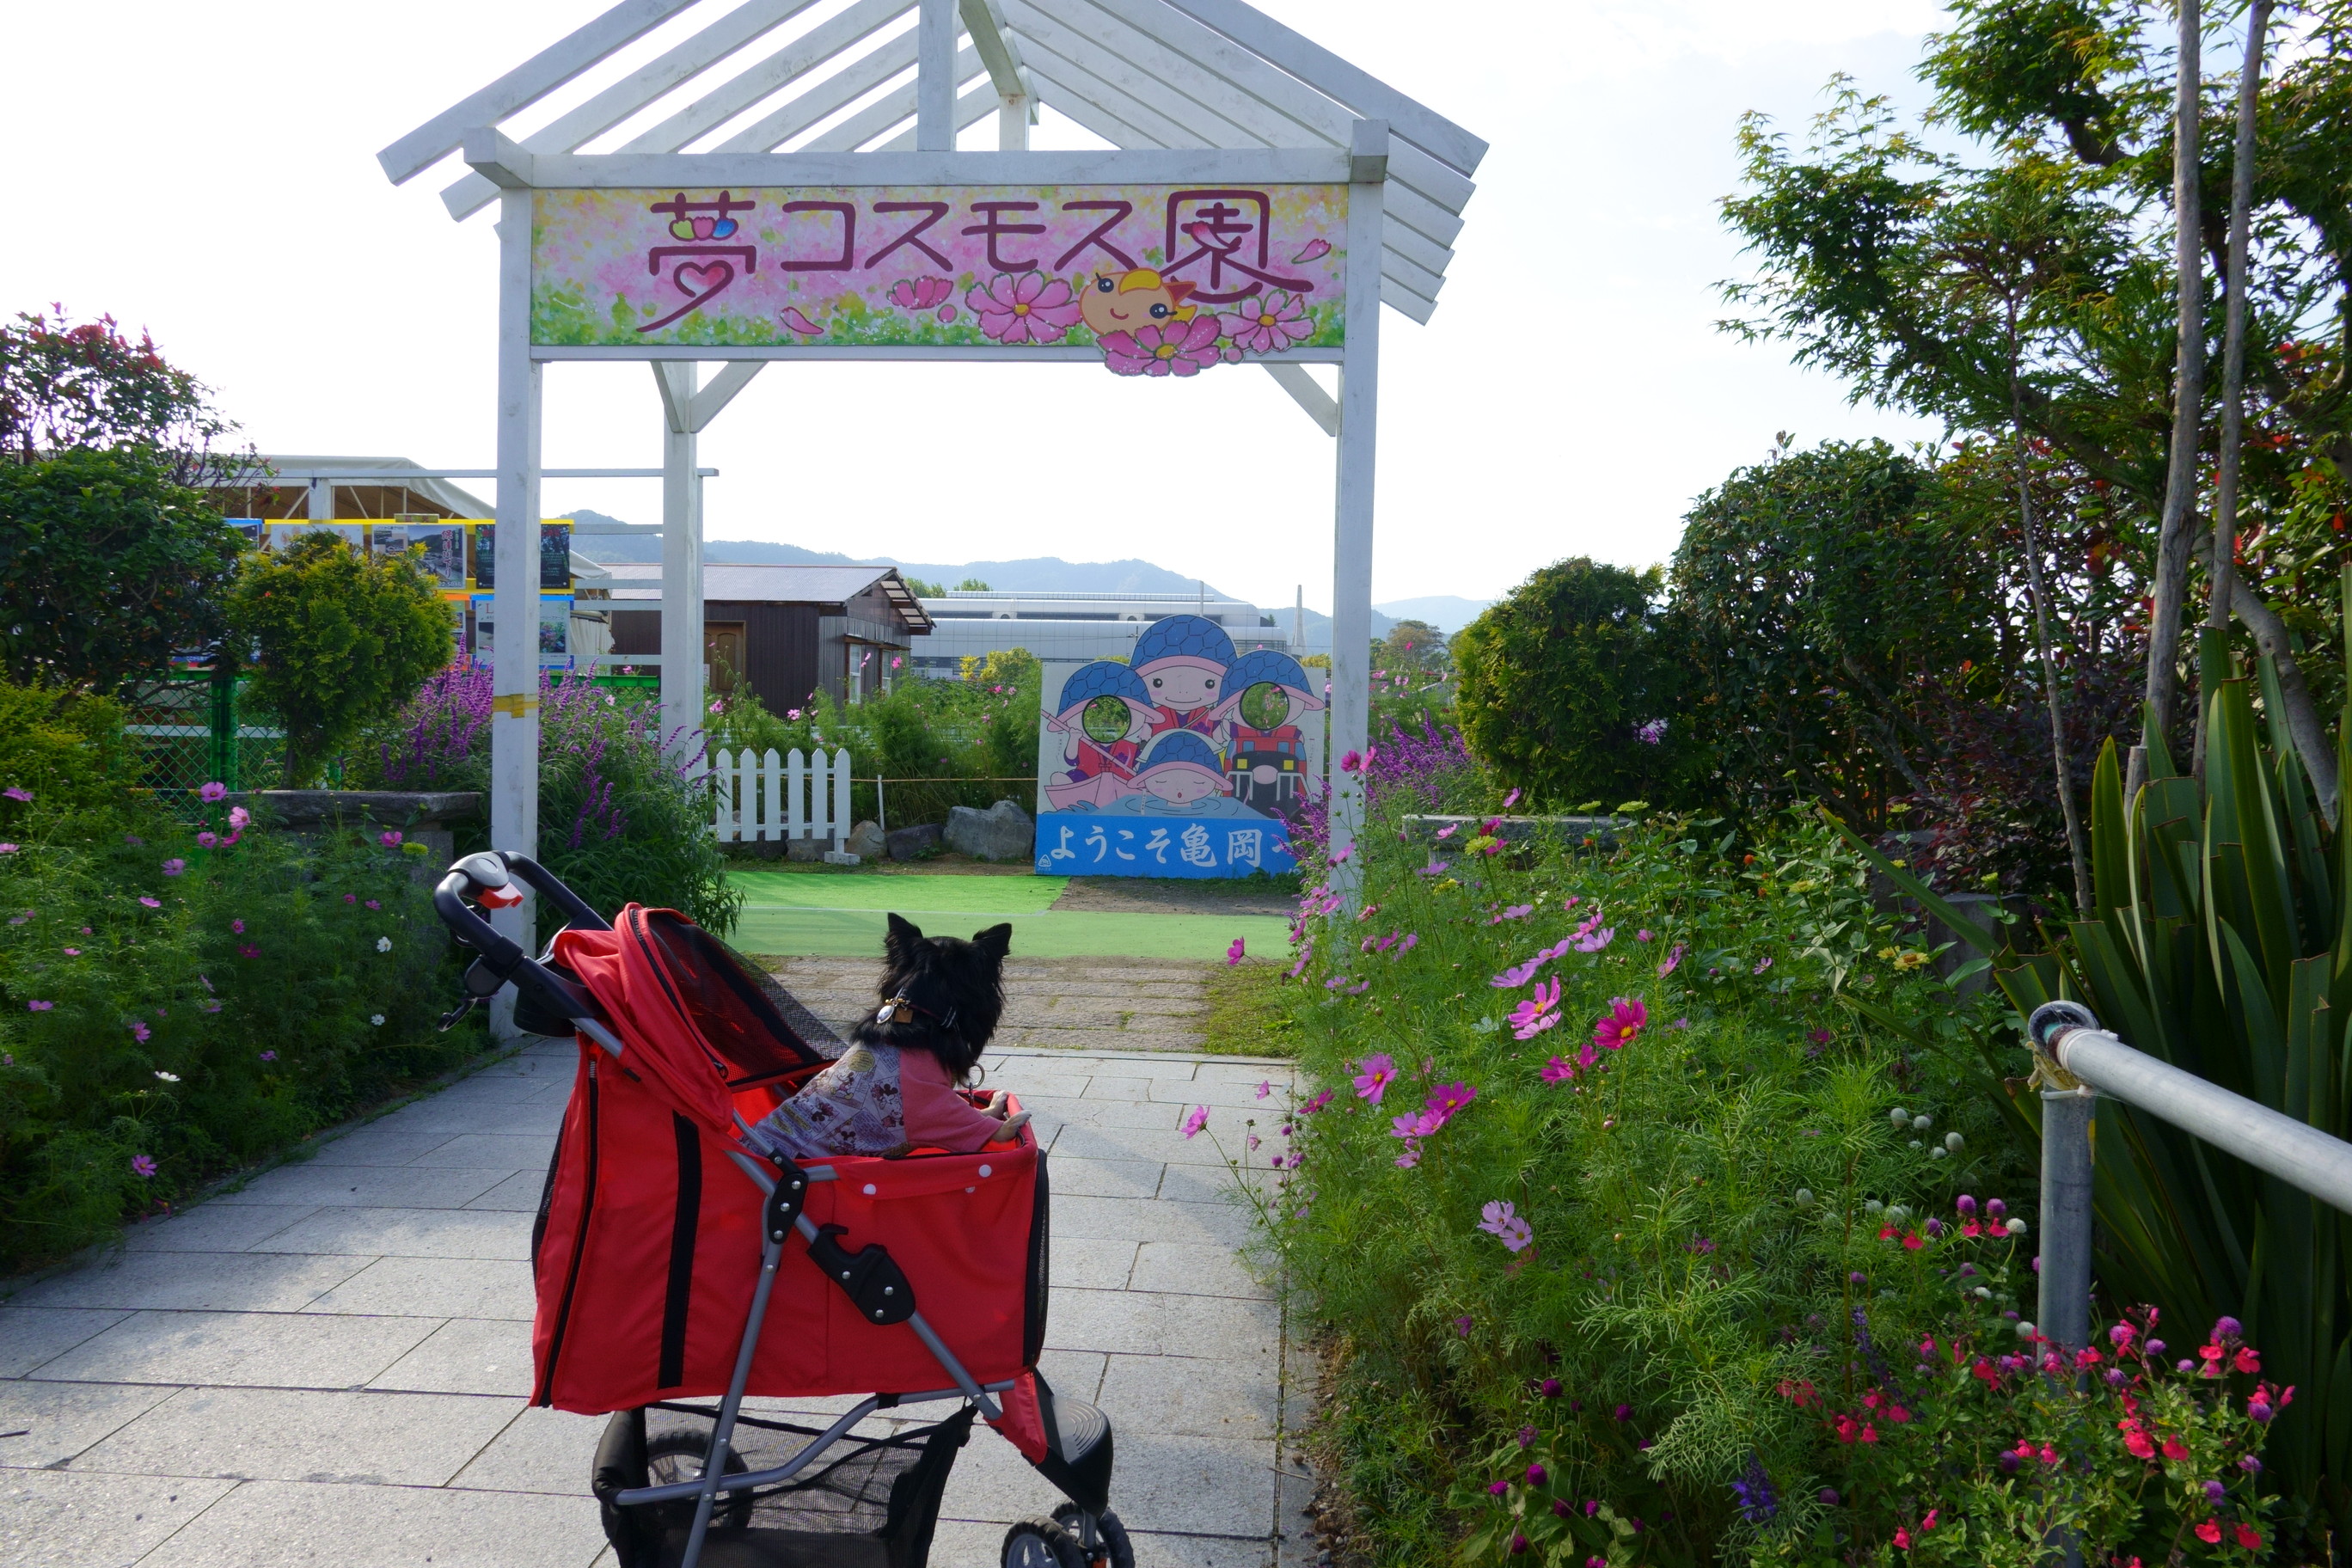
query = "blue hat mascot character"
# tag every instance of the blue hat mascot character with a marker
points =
(1180, 768)
(1098, 772)
(1182, 661)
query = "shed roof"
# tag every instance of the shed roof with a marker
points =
(765, 77)
(766, 585)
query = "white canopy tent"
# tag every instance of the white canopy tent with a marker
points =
(771, 94)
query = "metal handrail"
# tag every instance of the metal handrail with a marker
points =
(2091, 1062)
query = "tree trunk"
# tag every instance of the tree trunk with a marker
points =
(2312, 743)
(2234, 344)
(2075, 854)
(2175, 538)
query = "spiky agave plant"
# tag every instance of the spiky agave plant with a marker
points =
(2220, 940)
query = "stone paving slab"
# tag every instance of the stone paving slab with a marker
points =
(331, 1365)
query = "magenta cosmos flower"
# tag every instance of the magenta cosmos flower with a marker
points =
(1448, 1099)
(1234, 953)
(1535, 1014)
(1196, 1121)
(1268, 324)
(1169, 348)
(1025, 308)
(208, 793)
(1380, 1071)
(1625, 1018)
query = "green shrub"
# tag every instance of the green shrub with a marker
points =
(1706, 1209)
(107, 567)
(64, 748)
(170, 1008)
(341, 642)
(1570, 690)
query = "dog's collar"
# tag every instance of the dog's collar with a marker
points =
(889, 1010)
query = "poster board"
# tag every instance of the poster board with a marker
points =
(1187, 760)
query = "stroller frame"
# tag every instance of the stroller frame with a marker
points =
(502, 961)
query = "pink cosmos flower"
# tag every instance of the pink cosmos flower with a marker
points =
(173, 867)
(1264, 1088)
(1535, 1014)
(239, 818)
(1172, 348)
(17, 792)
(1498, 1219)
(1510, 800)
(1673, 961)
(1196, 1121)
(1449, 1098)
(1234, 953)
(9, 849)
(389, 840)
(1028, 308)
(1512, 978)
(1625, 1018)
(207, 839)
(1516, 912)
(208, 793)
(1269, 324)
(151, 903)
(1594, 941)
(1300, 967)
(1558, 1070)
(1411, 1157)
(1412, 1124)
(238, 926)
(38, 1006)
(139, 1030)
(142, 1165)
(1761, 965)
(1316, 1104)
(246, 950)
(1645, 936)
(1380, 1071)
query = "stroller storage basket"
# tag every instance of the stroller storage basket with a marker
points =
(862, 1503)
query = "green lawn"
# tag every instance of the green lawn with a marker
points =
(794, 914)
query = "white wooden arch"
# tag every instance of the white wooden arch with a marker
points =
(770, 93)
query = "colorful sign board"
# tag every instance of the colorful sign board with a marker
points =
(1162, 280)
(1186, 759)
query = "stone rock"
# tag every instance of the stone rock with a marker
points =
(866, 840)
(910, 842)
(842, 858)
(805, 851)
(1002, 832)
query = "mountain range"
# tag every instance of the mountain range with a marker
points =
(1031, 574)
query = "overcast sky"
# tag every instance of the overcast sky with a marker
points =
(208, 173)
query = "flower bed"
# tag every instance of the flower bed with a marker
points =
(1637, 1245)
(177, 1002)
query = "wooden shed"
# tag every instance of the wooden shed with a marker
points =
(785, 631)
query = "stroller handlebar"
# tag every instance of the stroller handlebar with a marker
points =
(502, 961)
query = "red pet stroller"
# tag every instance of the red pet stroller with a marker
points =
(665, 1278)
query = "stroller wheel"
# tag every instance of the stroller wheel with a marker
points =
(1041, 1543)
(1113, 1550)
(678, 1456)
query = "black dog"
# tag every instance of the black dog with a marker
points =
(939, 994)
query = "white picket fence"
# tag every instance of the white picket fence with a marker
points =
(765, 796)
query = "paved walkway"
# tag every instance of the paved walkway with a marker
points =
(331, 1366)
(1076, 1004)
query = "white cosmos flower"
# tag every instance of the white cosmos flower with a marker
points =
(377, 1019)
(383, 944)
(168, 1076)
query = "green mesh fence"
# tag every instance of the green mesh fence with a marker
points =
(186, 732)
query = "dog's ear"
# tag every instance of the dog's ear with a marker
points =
(898, 941)
(994, 943)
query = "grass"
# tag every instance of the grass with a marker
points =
(1248, 1016)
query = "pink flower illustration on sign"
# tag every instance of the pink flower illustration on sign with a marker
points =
(1025, 308)
(1178, 348)
(920, 293)
(791, 316)
(1267, 325)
